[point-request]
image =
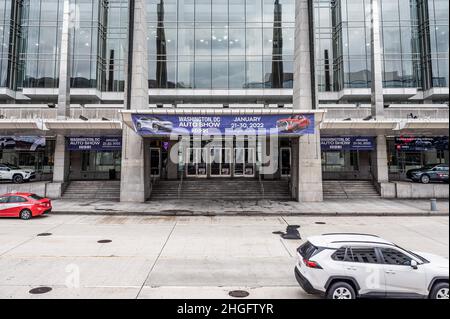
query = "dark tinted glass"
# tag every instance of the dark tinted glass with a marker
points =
(362, 255)
(395, 257)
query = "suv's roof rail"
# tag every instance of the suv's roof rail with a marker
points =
(361, 242)
(360, 234)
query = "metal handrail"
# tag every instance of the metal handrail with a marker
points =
(180, 185)
(261, 184)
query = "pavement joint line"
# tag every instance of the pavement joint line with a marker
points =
(423, 234)
(30, 239)
(284, 245)
(156, 260)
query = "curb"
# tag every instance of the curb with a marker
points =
(249, 214)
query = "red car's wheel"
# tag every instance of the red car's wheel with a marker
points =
(26, 214)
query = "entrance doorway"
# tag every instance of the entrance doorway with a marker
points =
(220, 162)
(244, 162)
(196, 162)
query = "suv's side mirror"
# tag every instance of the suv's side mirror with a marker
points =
(414, 264)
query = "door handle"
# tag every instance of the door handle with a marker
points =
(351, 268)
(390, 272)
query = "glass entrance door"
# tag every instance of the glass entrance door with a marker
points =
(155, 162)
(220, 162)
(196, 162)
(244, 162)
(285, 161)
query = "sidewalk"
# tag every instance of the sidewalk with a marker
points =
(360, 207)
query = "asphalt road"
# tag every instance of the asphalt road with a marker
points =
(178, 257)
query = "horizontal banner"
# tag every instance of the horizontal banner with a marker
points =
(349, 143)
(300, 124)
(22, 143)
(412, 144)
(101, 143)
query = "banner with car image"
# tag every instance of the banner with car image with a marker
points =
(149, 124)
(22, 143)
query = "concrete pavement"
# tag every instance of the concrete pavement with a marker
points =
(178, 257)
(366, 207)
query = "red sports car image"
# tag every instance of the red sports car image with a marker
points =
(24, 205)
(293, 124)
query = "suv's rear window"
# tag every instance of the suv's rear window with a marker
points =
(35, 197)
(307, 250)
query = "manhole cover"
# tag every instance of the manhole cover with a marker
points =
(104, 241)
(321, 223)
(238, 294)
(40, 290)
(44, 234)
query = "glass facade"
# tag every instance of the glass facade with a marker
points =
(224, 44)
(41, 31)
(220, 44)
(434, 24)
(400, 41)
(351, 43)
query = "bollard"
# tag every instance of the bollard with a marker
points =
(433, 205)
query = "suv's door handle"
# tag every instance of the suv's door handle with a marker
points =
(351, 268)
(390, 272)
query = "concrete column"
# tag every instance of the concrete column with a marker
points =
(380, 161)
(310, 169)
(62, 160)
(377, 62)
(304, 91)
(64, 66)
(134, 185)
(306, 177)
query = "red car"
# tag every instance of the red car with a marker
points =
(293, 124)
(24, 205)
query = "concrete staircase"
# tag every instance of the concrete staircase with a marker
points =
(349, 190)
(221, 189)
(93, 190)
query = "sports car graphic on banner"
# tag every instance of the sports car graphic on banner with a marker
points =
(22, 143)
(299, 124)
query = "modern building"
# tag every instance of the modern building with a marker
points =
(288, 99)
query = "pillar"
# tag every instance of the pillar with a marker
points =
(63, 111)
(380, 161)
(377, 98)
(306, 177)
(133, 183)
(61, 169)
(134, 186)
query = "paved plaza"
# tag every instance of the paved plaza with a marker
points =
(179, 256)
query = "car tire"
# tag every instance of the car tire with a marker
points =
(18, 179)
(341, 290)
(138, 126)
(26, 214)
(424, 179)
(439, 291)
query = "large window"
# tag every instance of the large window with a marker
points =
(434, 25)
(41, 32)
(221, 44)
(400, 40)
(352, 44)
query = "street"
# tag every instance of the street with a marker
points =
(178, 257)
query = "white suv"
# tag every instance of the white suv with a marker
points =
(348, 266)
(16, 174)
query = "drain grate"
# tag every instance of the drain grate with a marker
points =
(44, 234)
(320, 223)
(104, 241)
(40, 290)
(239, 294)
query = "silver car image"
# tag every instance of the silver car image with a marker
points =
(153, 125)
